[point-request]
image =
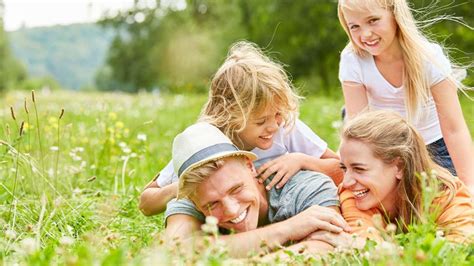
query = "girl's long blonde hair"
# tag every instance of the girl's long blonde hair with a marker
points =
(248, 82)
(414, 48)
(391, 137)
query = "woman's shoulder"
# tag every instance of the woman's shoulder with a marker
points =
(456, 217)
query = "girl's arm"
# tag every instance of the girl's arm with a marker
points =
(355, 98)
(159, 191)
(154, 198)
(306, 151)
(454, 130)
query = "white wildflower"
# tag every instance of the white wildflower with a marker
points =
(439, 234)
(141, 137)
(29, 245)
(391, 228)
(66, 240)
(54, 148)
(211, 220)
(10, 234)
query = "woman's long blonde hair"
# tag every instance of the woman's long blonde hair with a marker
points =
(391, 137)
(248, 82)
(414, 48)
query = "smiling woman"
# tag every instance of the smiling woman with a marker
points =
(382, 156)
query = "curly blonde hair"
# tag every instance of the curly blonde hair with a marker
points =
(248, 83)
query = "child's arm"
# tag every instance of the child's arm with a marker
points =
(159, 191)
(455, 131)
(355, 98)
(306, 151)
(154, 198)
(289, 164)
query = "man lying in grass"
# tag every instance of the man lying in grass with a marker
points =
(217, 179)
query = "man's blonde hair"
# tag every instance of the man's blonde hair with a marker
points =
(414, 48)
(192, 178)
(390, 137)
(248, 82)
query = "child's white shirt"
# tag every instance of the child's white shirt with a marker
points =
(382, 95)
(300, 138)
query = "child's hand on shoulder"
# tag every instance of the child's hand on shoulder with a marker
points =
(284, 167)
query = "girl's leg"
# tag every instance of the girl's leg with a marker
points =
(439, 153)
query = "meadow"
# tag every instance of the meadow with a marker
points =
(72, 167)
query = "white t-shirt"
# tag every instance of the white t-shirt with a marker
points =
(382, 95)
(299, 139)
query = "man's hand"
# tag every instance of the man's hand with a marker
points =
(313, 219)
(284, 168)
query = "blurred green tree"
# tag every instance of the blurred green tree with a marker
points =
(11, 71)
(177, 45)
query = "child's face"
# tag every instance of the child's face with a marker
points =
(372, 30)
(260, 130)
(372, 181)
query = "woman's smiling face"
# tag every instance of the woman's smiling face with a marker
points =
(372, 181)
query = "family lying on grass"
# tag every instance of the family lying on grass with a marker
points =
(267, 177)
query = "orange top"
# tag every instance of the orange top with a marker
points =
(456, 219)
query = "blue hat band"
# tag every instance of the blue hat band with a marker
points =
(206, 153)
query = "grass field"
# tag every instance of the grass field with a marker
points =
(69, 184)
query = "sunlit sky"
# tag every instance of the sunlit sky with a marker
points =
(34, 13)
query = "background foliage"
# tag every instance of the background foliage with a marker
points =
(164, 46)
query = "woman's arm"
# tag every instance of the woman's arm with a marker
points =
(455, 131)
(355, 98)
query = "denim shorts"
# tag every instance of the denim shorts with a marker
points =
(439, 154)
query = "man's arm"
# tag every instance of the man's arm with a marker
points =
(181, 227)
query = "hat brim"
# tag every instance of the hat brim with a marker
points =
(221, 155)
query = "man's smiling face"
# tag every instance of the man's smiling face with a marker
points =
(231, 195)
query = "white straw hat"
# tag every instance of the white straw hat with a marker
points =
(202, 143)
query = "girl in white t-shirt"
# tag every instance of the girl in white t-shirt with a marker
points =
(253, 102)
(389, 64)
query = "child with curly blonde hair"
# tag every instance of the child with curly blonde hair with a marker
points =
(252, 101)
